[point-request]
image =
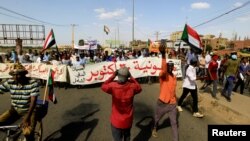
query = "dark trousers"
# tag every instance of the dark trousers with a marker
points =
(240, 83)
(120, 134)
(194, 96)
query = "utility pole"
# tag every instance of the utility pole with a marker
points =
(73, 35)
(115, 38)
(133, 25)
(157, 35)
(118, 36)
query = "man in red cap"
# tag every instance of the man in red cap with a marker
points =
(122, 92)
(212, 75)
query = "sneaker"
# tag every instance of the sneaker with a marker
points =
(154, 133)
(179, 108)
(198, 115)
(223, 94)
(228, 99)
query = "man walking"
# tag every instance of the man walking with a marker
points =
(212, 75)
(166, 102)
(189, 85)
(231, 71)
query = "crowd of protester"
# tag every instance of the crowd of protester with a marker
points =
(213, 68)
(230, 71)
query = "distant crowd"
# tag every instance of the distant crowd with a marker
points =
(211, 67)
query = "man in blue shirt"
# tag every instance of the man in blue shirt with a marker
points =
(242, 71)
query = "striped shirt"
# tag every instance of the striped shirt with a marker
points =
(20, 94)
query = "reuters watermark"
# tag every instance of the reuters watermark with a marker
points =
(221, 132)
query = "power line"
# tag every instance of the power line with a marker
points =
(229, 19)
(240, 13)
(15, 17)
(30, 17)
(243, 5)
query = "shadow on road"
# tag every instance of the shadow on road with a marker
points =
(71, 131)
(145, 125)
(142, 109)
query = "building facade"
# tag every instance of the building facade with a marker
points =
(240, 44)
(175, 36)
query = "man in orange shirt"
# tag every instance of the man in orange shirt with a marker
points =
(166, 102)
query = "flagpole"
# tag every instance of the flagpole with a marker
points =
(46, 87)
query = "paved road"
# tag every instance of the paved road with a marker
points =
(83, 115)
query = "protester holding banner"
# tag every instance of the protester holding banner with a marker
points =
(24, 92)
(167, 99)
(123, 92)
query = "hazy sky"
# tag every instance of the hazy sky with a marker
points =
(151, 16)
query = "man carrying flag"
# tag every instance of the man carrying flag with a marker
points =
(192, 38)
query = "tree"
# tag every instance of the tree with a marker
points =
(221, 47)
(209, 48)
(81, 42)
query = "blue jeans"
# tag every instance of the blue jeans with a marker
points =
(120, 134)
(228, 88)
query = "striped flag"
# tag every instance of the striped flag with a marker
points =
(192, 38)
(106, 29)
(52, 95)
(49, 41)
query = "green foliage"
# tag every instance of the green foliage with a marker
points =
(209, 48)
(221, 47)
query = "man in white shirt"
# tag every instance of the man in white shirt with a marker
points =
(77, 62)
(189, 85)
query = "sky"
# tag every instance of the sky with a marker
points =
(150, 17)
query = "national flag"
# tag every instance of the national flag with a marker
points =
(191, 37)
(106, 29)
(52, 95)
(49, 41)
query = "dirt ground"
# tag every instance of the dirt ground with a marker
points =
(212, 108)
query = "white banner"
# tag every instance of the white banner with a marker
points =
(94, 73)
(37, 70)
(88, 45)
(100, 72)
